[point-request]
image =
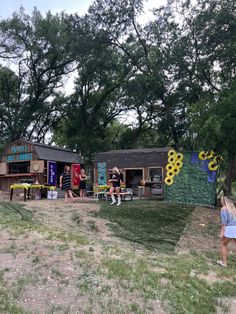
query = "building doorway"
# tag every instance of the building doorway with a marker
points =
(133, 178)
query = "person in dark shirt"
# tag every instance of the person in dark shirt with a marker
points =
(82, 184)
(115, 181)
(65, 183)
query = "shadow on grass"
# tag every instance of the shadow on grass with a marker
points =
(15, 209)
(153, 224)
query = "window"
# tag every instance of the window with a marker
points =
(18, 167)
(155, 174)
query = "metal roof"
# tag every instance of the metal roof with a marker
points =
(137, 150)
(47, 152)
(54, 153)
(134, 158)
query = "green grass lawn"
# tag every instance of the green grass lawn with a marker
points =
(151, 223)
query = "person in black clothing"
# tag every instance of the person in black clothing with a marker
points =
(65, 183)
(115, 181)
(82, 185)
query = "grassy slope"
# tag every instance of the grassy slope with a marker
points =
(158, 226)
(150, 223)
(151, 227)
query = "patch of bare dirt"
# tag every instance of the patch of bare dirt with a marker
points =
(202, 233)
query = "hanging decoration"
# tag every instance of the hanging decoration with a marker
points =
(169, 180)
(179, 156)
(169, 167)
(202, 155)
(213, 166)
(171, 153)
(210, 163)
(175, 162)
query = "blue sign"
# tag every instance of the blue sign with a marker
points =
(102, 173)
(20, 157)
(19, 149)
(52, 173)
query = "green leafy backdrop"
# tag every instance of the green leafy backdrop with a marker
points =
(191, 186)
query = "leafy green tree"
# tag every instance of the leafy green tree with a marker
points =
(213, 121)
(37, 49)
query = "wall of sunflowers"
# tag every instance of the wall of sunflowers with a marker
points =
(191, 178)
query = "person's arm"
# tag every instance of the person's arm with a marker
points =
(61, 181)
(223, 216)
(222, 230)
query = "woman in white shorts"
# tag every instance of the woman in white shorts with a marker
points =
(228, 227)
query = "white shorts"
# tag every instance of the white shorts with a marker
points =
(230, 232)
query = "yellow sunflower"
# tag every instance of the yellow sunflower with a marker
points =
(169, 180)
(179, 156)
(178, 164)
(171, 153)
(171, 159)
(202, 155)
(170, 173)
(218, 159)
(169, 167)
(212, 166)
(176, 170)
(209, 154)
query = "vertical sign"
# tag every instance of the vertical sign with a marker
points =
(75, 171)
(102, 173)
(52, 173)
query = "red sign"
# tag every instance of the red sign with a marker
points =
(75, 171)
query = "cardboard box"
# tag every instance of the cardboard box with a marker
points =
(37, 196)
(52, 195)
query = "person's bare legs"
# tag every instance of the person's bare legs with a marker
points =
(71, 195)
(118, 195)
(81, 193)
(223, 249)
(66, 197)
(112, 195)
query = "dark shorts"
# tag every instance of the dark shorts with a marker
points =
(116, 185)
(82, 185)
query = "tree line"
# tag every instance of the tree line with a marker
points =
(175, 75)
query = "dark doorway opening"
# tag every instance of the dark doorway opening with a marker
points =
(133, 178)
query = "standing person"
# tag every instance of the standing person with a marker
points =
(82, 184)
(115, 180)
(65, 183)
(228, 227)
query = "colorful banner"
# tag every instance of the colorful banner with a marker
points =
(52, 173)
(102, 173)
(75, 171)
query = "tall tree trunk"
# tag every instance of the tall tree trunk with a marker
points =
(229, 177)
